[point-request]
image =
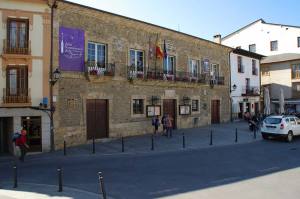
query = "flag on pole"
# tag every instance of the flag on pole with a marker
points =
(159, 53)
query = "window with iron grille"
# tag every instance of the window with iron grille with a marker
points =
(138, 106)
(16, 80)
(195, 105)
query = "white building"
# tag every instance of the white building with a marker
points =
(245, 82)
(24, 72)
(265, 38)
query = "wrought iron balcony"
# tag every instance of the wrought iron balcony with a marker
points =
(100, 69)
(15, 96)
(16, 48)
(250, 91)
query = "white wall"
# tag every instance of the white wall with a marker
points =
(35, 82)
(261, 34)
(239, 79)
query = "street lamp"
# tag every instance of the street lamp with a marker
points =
(53, 75)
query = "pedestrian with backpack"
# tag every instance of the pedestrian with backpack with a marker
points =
(21, 142)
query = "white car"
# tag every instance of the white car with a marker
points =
(280, 126)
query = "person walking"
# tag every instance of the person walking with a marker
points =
(22, 143)
(164, 124)
(169, 126)
(156, 124)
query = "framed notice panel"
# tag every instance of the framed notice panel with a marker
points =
(153, 110)
(184, 109)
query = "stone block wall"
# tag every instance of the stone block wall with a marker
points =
(120, 34)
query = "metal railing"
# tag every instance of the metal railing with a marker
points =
(250, 90)
(18, 48)
(16, 95)
(100, 69)
(178, 76)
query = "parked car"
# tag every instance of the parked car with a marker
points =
(281, 126)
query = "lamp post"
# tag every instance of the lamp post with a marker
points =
(232, 88)
(52, 80)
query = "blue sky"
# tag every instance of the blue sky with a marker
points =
(203, 18)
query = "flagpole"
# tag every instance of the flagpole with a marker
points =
(149, 55)
(155, 55)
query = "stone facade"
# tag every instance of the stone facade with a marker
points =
(120, 34)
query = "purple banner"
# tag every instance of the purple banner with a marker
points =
(71, 49)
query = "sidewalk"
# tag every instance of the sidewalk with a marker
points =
(41, 191)
(195, 138)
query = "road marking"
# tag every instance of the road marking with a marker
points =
(230, 179)
(163, 191)
(269, 169)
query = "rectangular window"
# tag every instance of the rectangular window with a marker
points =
(97, 54)
(298, 42)
(169, 65)
(240, 64)
(254, 69)
(138, 106)
(193, 67)
(205, 66)
(137, 60)
(17, 81)
(274, 45)
(252, 48)
(195, 105)
(296, 71)
(17, 35)
(215, 70)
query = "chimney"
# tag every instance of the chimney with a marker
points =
(217, 38)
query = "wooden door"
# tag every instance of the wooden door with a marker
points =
(97, 119)
(169, 107)
(215, 111)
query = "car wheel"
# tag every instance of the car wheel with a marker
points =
(289, 137)
(265, 137)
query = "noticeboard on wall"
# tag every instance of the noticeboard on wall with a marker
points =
(184, 109)
(153, 110)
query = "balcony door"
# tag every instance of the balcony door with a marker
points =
(17, 35)
(16, 83)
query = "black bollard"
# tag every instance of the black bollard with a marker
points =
(15, 176)
(183, 140)
(236, 135)
(101, 182)
(123, 149)
(152, 143)
(65, 149)
(211, 138)
(254, 132)
(94, 145)
(59, 173)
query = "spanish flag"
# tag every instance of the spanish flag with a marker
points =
(159, 53)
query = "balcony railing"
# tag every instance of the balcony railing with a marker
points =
(16, 96)
(248, 90)
(177, 76)
(100, 69)
(21, 48)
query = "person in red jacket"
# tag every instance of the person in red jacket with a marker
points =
(22, 143)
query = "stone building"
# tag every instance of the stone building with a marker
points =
(24, 72)
(118, 72)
